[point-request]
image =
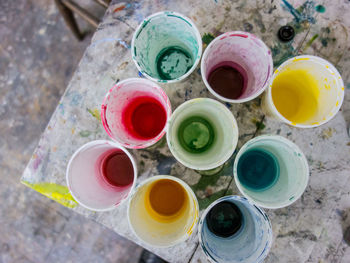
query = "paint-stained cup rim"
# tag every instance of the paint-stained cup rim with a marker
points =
(148, 142)
(289, 143)
(329, 67)
(189, 192)
(234, 142)
(262, 45)
(91, 144)
(198, 38)
(240, 199)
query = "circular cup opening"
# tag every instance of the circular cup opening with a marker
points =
(166, 47)
(135, 112)
(289, 183)
(157, 229)
(241, 59)
(86, 179)
(220, 133)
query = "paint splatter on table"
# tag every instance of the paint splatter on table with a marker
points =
(310, 229)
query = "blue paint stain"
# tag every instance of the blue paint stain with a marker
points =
(303, 13)
(228, 105)
(75, 99)
(141, 75)
(61, 108)
(292, 10)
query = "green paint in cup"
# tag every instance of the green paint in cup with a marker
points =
(202, 134)
(271, 171)
(166, 47)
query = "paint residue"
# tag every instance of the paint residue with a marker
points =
(95, 113)
(308, 44)
(304, 13)
(320, 8)
(207, 38)
(85, 133)
(119, 9)
(327, 133)
(57, 192)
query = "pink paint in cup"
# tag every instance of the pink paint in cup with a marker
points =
(101, 174)
(135, 113)
(236, 67)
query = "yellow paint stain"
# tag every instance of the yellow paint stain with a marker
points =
(332, 73)
(293, 123)
(276, 71)
(95, 113)
(325, 79)
(295, 95)
(327, 66)
(315, 123)
(57, 192)
(299, 59)
(327, 87)
(342, 88)
(337, 103)
(327, 133)
(190, 230)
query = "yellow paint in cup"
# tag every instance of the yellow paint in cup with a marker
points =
(305, 91)
(163, 211)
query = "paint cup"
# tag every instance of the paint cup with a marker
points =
(100, 175)
(135, 112)
(305, 91)
(166, 47)
(271, 171)
(236, 67)
(202, 134)
(163, 211)
(233, 230)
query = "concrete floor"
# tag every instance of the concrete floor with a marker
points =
(38, 55)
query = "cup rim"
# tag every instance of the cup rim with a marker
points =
(188, 190)
(196, 32)
(340, 94)
(234, 142)
(268, 77)
(287, 142)
(88, 145)
(149, 142)
(264, 253)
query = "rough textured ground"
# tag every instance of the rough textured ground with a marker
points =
(38, 55)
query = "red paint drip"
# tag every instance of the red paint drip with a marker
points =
(120, 8)
(117, 169)
(238, 35)
(144, 117)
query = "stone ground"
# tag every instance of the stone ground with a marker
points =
(38, 56)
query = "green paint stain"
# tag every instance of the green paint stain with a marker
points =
(259, 124)
(173, 62)
(207, 38)
(196, 134)
(84, 133)
(258, 170)
(95, 113)
(320, 8)
(308, 44)
(205, 202)
(57, 192)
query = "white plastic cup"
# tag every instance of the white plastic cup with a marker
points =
(250, 244)
(251, 56)
(160, 231)
(86, 182)
(225, 130)
(328, 96)
(161, 32)
(293, 172)
(118, 98)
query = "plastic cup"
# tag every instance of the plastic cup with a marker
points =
(127, 96)
(244, 52)
(292, 177)
(166, 47)
(85, 178)
(221, 141)
(250, 244)
(305, 91)
(158, 229)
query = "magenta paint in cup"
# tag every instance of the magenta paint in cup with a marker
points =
(236, 67)
(135, 113)
(101, 174)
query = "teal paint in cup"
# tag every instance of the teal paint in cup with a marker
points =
(166, 47)
(271, 171)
